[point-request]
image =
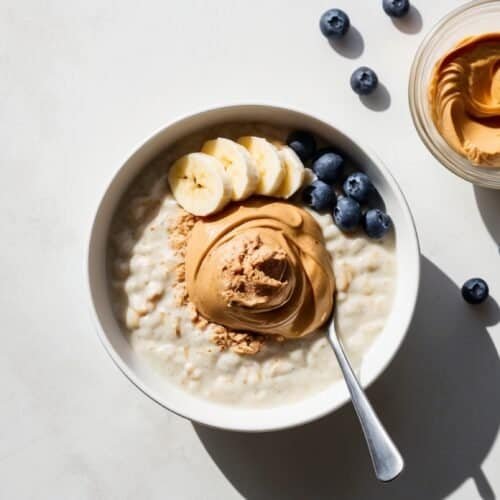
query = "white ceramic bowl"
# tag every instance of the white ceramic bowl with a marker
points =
(227, 417)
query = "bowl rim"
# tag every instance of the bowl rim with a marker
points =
(411, 291)
(414, 106)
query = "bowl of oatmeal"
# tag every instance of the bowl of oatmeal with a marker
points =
(211, 280)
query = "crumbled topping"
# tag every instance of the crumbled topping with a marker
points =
(177, 327)
(253, 273)
(179, 230)
(239, 342)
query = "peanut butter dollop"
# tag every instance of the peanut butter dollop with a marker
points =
(261, 267)
(464, 96)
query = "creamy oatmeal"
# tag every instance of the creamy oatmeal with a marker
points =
(146, 267)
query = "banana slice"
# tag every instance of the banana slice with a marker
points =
(269, 165)
(238, 163)
(294, 172)
(200, 184)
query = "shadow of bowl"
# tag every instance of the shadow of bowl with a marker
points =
(488, 202)
(439, 399)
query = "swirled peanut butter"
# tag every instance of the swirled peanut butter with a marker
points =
(464, 96)
(261, 267)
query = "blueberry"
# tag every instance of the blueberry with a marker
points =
(302, 143)
(334, 23)
(358, 186)
(376, 223)
(364, 81)
(328, 165)
(319, 196)
(475, 291)
(347, 214)
(396, 8)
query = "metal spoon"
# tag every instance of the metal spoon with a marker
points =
(386, 459)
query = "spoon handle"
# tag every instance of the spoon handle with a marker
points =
(386, 459)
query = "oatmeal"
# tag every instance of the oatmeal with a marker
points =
(147, 283)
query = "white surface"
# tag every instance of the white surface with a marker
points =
(82, 84)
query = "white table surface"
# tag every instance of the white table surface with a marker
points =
(81, 85)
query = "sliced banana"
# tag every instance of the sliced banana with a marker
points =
(294, 172)
(269, 165)
(200, 184)
(238, 163)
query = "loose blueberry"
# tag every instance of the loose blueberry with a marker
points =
(319, 196)
(334, 23)
(475, 291)
(396, 8)
(376, 223)
(364, 81)
(358, 186)
(328, 166)
(302, 143)
(347, 214)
